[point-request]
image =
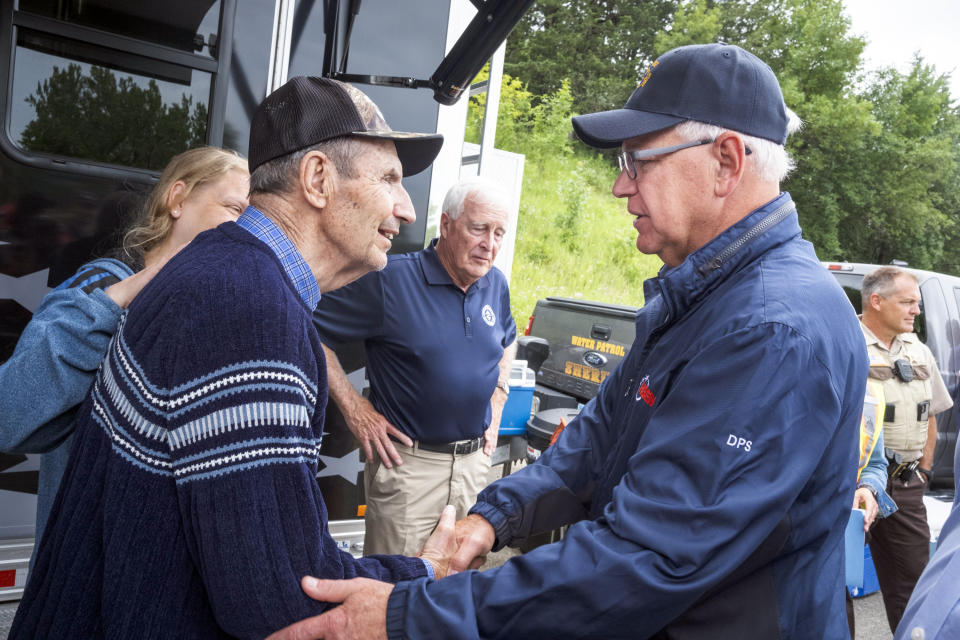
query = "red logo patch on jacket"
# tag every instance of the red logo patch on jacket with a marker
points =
(644, 393)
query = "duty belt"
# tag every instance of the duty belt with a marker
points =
(900, 468)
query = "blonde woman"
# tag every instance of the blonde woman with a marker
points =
(58, 354)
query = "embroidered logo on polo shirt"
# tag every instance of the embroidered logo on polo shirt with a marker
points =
(644, 393)
(488, 315)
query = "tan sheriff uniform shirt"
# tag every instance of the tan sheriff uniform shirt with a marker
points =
(913, 403)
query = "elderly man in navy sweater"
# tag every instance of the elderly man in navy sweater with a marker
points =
(189, 508)
(708, 485)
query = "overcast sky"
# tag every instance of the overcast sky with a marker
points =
(895, 29)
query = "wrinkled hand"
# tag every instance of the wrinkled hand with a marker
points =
(373, 430)
(123, 292)
(863, 499)
(475, 537)
(442, 543)
(362, 614)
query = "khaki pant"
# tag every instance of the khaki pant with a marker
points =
(404, 503)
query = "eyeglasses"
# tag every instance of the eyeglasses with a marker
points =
(626, 159)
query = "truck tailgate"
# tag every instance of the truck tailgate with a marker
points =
(588, 340)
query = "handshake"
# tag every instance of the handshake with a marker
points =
(455, 547)
(451, 548)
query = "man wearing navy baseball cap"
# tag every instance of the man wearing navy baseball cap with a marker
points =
(707, 486)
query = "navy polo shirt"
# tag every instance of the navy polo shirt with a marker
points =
(432, 350)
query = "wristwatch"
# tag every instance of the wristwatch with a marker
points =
(926, 472)
(503, 386)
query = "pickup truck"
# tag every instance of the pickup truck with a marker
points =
(587, 340)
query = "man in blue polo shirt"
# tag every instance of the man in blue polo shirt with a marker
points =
(439, 340)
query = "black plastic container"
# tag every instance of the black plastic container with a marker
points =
(540, 429)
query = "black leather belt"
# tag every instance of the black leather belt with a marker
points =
(459, 448)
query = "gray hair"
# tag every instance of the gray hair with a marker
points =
(883, 282)
(770, 161)
(280, 174)
(479, 190)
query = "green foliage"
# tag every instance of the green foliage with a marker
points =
(601, 46)
(101, 118)
(693, 23)
(878, 158)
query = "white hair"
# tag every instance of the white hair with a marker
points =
(770, 161)
(479, 190)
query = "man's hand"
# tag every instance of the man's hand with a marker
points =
(475, 537)
(363, 611)
(864, 499)
(363, 614)
(373, 430)
(442, 543)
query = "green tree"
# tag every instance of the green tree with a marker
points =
(910, 174)
(877, 159)
(601, 46)
(99, 117)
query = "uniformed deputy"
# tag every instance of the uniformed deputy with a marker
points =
(914, 394)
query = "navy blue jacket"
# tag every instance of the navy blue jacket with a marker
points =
(710, 480)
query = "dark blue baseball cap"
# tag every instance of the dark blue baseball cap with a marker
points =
(717, 84)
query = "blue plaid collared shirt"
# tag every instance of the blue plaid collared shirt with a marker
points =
(265, 230)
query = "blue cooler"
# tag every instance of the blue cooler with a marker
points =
(517, 410)
(853, 551)
(861, 575)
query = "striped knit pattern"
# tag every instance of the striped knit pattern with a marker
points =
(147, 423)
(190, 507)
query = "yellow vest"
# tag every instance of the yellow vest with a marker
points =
(871, 423)
(905, 430)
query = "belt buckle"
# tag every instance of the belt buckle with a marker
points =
(463, 448)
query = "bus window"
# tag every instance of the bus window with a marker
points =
(105, 85)
(126, 110)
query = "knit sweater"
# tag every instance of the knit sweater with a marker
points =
(189, 508)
